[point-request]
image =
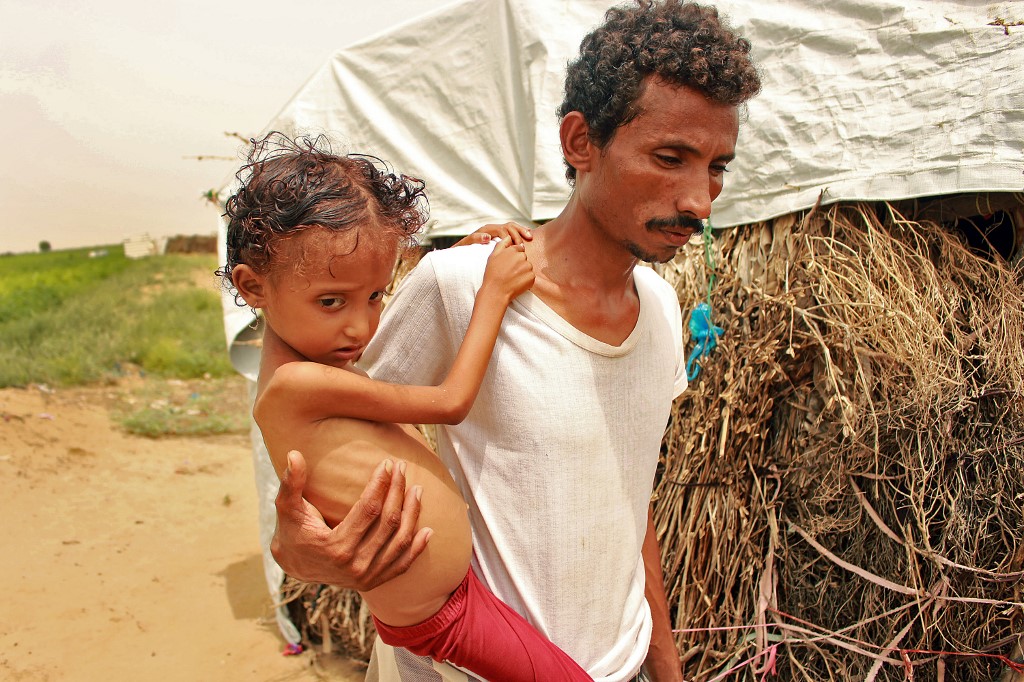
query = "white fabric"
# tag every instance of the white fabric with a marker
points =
(862, 99)
(388, 664)
(267, 485)
(556, 459)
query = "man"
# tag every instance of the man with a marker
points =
(557, 457)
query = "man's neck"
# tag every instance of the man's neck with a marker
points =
(571, 252)
(585, 278)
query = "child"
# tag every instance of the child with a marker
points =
(312, 242)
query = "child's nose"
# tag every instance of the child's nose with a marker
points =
(357, 325)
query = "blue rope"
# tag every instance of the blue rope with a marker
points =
(703, 333)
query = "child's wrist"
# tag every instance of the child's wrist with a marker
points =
(490, 292)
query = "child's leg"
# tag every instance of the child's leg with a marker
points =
(477, 631)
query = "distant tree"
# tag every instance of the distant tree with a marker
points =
(44, 246)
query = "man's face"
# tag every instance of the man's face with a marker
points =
(652, 184)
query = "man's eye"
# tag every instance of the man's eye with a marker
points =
(332, 303)
(668, 160)
(719, 169)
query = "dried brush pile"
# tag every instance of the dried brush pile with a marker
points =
(331, 617)
(842, 492)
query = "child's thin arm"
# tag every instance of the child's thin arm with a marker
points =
(323, 391)
(508, 274)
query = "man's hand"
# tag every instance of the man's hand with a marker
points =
(516, 233)
(376, 541)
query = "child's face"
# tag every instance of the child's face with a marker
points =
(323, 298)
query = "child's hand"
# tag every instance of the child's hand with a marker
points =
(517, 233)
(508, 271)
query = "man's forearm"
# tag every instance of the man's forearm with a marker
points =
(662, 664)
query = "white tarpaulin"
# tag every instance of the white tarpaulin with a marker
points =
(862, 99)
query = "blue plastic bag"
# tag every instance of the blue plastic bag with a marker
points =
(704, 335)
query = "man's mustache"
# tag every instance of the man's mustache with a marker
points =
(677, 222)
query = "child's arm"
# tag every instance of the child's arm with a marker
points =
(320, 391)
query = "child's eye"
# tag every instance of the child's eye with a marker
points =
(376, 296)
(332, 303)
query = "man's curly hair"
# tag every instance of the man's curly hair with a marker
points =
(682, 43)
(290, 184)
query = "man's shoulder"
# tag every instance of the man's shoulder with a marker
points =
(458, 257)
(661, 295)
(647, 278)
(458, 264)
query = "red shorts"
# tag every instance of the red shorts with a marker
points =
(477, 631)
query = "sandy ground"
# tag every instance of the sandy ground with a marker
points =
(130, 558)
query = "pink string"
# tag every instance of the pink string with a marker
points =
(772, 651)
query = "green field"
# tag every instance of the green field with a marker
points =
(68, 319)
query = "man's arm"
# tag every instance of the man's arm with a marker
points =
(376, 541)
(662, 664)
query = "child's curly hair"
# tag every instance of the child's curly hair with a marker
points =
(289, 184)
(680, 42)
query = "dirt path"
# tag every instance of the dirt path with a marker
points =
(126, 558)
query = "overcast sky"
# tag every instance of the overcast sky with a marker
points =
(105, 104)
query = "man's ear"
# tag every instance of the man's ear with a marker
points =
(251, 286)
(576, 145)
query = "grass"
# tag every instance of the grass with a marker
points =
(175, 407)
(68, 319)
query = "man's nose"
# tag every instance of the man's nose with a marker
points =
(694, 196)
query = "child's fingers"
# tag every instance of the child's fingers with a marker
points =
(499, 246)
(506, 244)
(474, 238)
(516, 233)
(513, 232)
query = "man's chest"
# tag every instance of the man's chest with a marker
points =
(609, 319)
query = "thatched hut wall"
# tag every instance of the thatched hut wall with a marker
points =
(842, 490)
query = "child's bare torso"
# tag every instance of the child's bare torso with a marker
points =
(341, 454)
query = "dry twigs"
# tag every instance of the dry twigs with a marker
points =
(842, 488)
(335, 618)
